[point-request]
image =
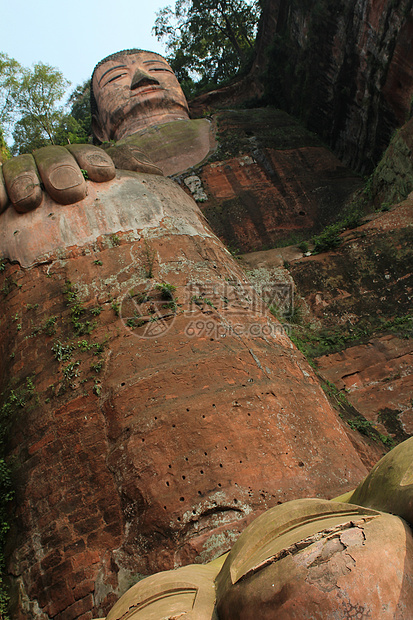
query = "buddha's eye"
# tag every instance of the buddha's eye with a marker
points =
(157, 69)
(115, 77)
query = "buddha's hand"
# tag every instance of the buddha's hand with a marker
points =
(59, 171)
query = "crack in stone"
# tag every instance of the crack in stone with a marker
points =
(295, 548)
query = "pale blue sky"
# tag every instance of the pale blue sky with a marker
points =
(74, 35)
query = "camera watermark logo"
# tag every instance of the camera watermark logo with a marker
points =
(211, 309)
(148, 311)
(212, 329)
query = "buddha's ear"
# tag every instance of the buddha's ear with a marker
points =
(98, 130)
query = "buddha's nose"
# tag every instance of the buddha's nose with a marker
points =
(140, 78)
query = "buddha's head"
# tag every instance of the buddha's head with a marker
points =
(132, 90)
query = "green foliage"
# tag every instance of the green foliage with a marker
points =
(209, 40)
(6, 495)
(13, 402)
(81, 324)
(36, 99)
(76, 127)
(167, 290)
(97, 367)
(148, 257)
(62, 352)
(4, 149)
(329, 239)
(365, 427)
(28, 136)
(115, 307)
(10, 76)
(49, 326)
(200, 301)
(314, 343)
(71, 371)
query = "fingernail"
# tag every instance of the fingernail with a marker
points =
(65, 177)
(23, 187)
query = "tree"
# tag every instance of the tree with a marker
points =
(36, 99)
(208, 39)
(4, 150)
(27, 136)
(77, 125)
(10, 76)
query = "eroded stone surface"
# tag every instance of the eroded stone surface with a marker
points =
(349, 565)
(378, 379)
(269, 180)
(347, 72)
(138, 454)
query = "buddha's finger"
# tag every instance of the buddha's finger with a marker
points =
(4, 199)
(130, 157)
(61, 175)
(22, 183)
(96, 163)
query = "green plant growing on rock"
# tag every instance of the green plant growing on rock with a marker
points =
(329, 239)
(81, 325)
(148, 258)
(115, 305)
(167, 290)
(71, 371)
(62, 352)
(97, 367)
(97, 388)
(14, 401)
(6, 495)
(49, 326)
(139, 297)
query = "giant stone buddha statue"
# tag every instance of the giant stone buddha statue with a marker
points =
(167, 409)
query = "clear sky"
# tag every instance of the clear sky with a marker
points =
(74, 35)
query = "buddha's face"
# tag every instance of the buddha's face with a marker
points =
(133, 92)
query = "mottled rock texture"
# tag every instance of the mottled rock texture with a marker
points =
(269, 180)
(352, 309)
(346, 68)
(145, 434)
(343, 66)
(392, 180)
(378, 380)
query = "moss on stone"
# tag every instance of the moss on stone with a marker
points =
(392, 181)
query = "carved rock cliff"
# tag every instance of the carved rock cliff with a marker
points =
(345, 67)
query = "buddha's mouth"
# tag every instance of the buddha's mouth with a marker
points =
(146, 89)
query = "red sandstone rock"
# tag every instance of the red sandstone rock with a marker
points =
(269, 180)
(378, 379)
(347, 72)
(141, 452)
